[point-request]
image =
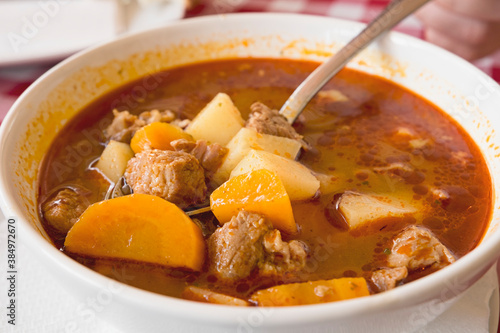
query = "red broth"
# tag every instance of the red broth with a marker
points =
(379, 124)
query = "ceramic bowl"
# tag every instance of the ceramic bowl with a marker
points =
(460, 89)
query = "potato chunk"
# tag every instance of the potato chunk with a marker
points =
(138, 227)
(312, 292)
(114, 158)
(259, 191)
(298, 180)
(370, 212)
(247, 139)
(218, 122)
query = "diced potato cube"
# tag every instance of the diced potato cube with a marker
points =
(298, 180)
(370, 212)
(204, 295)
(218, 122)
(330, 183)
(114, 158)
(312, 292)
(247, 139)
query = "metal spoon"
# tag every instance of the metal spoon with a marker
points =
(394, 13)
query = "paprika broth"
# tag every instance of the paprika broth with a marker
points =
(394, 172)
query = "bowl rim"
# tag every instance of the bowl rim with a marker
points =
(473, 264)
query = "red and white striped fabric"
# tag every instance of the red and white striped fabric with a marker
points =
(14, 81)
(357, 10)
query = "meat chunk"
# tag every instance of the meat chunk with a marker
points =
(417, 248)
(268, 121)
(155, 116)
(64, 209)
(175, 176)
(236, 248)
(282, 256)
(386, 279)
(209, 156)
(125, 124)
(248, 242)
(123, 127)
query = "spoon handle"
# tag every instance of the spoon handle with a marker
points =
(395, 12)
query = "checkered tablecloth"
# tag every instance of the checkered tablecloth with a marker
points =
(13, 81)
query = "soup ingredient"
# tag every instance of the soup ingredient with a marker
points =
(387, 278)
(370, 212)
(174, 176)
(269, 121)
(113, 160)
(249, 242)
(312, 292)
(247, 139)
(125, 124)
(63, 210)
(382, 140)
(218, 122)
(205, 295)
(331, 95)
(210, 156)
(138, 227)
(260, 191)
(417, 248)
(157, 136)
(298, 180)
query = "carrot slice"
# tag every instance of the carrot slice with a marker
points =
(312, 292)
(138, 227)
(260, 191)
(157, 136)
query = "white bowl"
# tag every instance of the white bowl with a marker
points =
(467, 94)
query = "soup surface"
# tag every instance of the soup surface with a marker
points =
(367, 138)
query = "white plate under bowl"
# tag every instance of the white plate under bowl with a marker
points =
(43, 31)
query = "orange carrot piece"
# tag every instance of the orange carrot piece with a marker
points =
(138, 227)
(157, 136)
(260, 191)
(312, 292)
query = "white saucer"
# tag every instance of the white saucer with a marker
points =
(42, 31)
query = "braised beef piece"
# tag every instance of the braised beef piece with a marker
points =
(417, 248)
(281, 256)
(265, 120)
(210, 156)
(155, 116)
(175, 176)
(386, 279)
(125, 124)
(248, 242)
(63, 210)
(122, 128)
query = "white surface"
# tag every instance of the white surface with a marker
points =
(44, 307)
(38, 31)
